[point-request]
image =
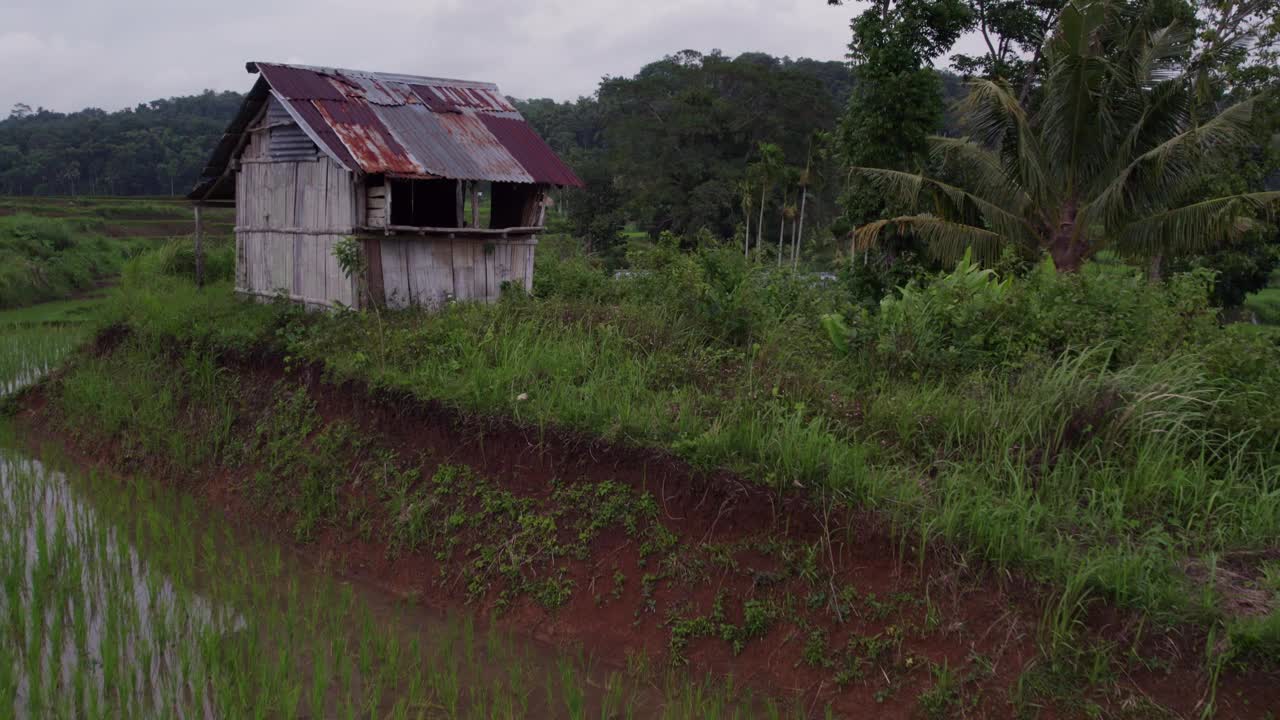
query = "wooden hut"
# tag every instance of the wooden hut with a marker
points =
(398, 162)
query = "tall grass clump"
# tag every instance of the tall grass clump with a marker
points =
(47, 258)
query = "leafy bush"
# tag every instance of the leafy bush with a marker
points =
(1265, 305)
(177, 258)
(970, 319)
(562, 270)
(728, 297)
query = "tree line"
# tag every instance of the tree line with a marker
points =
(156, 148)
(732, 147)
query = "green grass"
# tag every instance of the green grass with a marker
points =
(1265, 305)
(60, 312)
(48, 258)
(126, 599)
(1092, 432)
(27, 353)
(1111, 467)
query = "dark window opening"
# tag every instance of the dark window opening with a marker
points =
(424, 203)
(514, 205)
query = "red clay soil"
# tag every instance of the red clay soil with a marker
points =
(907, 620)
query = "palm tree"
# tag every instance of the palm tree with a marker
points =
(1108, 160)
(744, 195)
(768, 169)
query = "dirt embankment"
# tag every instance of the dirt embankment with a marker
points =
(704, 570)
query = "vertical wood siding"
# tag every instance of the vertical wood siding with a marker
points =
(289, 218)
(431, 270)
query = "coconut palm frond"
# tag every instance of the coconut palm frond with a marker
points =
(1197, 226)
(1156, 60)
(998, 120)
(980, 170)
(1155, 176)
(992, 111)
(947, 241)
(905, 188)
(1165, 112)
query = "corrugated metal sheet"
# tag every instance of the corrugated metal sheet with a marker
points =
(310, 116)
(406, 125)
(452, 145)
(297, 84)
(529, 150)
(367, 138)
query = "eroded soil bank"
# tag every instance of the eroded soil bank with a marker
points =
(640, 560)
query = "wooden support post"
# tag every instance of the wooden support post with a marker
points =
(458, 220)
(475, 205)
(199, 249)
(374, 282)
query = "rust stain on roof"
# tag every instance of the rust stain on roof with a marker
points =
(372, 145)
(417, 126)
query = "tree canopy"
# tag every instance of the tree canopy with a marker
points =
(156, 148)
(1115, 156)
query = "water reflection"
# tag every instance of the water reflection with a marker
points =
(90, 624)
(32, 370)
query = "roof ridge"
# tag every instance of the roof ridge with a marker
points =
(252, 66)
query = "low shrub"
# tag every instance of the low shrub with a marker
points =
(971, 319)
(177, 258)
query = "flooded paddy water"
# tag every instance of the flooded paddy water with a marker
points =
(124, 597)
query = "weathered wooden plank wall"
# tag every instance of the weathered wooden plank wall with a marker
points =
(289, 218)
(431, 270)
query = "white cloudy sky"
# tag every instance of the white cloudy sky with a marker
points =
(69, 54)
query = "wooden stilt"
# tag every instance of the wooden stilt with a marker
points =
(199, 248)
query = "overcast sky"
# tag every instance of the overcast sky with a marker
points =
(71, 54)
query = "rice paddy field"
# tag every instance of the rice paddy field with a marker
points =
(123, 597)
(700, 489)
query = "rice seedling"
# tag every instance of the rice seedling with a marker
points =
(28, 353)
(127, 600)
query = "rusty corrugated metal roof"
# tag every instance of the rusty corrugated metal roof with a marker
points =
(416, 126)
(519, 139)
(454, 145)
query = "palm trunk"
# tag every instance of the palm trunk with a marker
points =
(1065, 247)
(804, 197)
(782, 226)
(760, 223)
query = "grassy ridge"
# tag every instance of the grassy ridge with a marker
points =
(47, 258)
(1093, 431)
(135, 605)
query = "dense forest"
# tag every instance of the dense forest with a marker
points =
(788, 157)
(156, 148)
(698, 142)
(668, 149)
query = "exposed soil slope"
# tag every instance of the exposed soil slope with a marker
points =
(630, 553)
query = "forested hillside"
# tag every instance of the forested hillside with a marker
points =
(693, 142)
(156, 148)
(671, 148)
